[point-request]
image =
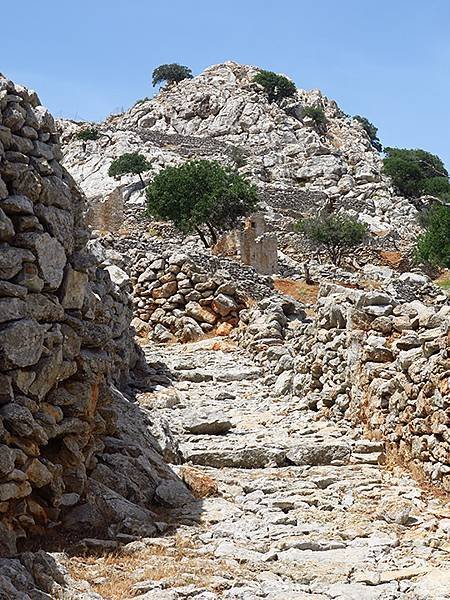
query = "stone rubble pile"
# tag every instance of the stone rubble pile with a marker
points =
(66, 346)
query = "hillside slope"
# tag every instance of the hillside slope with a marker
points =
(222, 114)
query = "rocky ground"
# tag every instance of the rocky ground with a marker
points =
(289, 505)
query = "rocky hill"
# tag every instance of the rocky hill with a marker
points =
(222, 114)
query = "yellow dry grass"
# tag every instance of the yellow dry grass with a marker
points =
(113, 575)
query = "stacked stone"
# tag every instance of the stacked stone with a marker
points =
(176, 300)
(64, 327)
(384, 363)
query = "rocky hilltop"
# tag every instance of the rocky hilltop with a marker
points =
(223, 115)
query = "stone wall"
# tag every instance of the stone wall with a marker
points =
(384, 363)
(176, 300)
(64, 327)
(376, 359)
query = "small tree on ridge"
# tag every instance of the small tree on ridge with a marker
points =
(130, 163)
(171, 73)
(276, 86)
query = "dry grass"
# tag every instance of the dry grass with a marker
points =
(113, 575)
(299, 290)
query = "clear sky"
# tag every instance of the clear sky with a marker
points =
(386, 59)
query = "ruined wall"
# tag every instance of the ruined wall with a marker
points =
(175, 299)
(106, 213)
(64, 327)
(385, 364)
(258, 248)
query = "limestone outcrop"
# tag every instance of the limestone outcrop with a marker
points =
(223, 115)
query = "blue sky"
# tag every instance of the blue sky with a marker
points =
(386, 59)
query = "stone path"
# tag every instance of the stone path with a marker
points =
(302, 510)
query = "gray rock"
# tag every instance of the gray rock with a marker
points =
(208, 424)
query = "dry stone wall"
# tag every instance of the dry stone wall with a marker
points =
(384, 363)
(378, 359)
(175, 300)
(64, 327)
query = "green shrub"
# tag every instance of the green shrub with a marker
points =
(438, 187)
(276, 86)
(336, 234)
(433, 246)
(198, 194)
(411, 170)
(316, 114)
(130, 163)
(371, 131)
(87, 134)
(172, 73)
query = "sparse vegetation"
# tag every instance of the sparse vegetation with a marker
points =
(371, 131)
(416, 172)
(130, 163)
(201, 194)
(433, 246)
(87, 134)
(238, 156)
(315, 113)
(276, 86)
(171, 73)
(336, 234)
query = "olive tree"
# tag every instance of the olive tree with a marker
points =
(129, 163)
(201, 195)
(336, 234)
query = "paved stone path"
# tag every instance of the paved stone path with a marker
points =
(302, 511)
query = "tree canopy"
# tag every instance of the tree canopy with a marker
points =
(129, 163)
(371, 131)
(335, 233)
(171, 73)
(198, 194)
(276, 86)
(433, 246)
(416, 172)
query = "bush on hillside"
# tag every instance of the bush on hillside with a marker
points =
(438, 187)
(412, 170)
(87, 134)
(336, 234)
(201, 194)
(130, 163)
(433, 246)
(371, 131)
(276, 86)
(172, 73)
(316, 114)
